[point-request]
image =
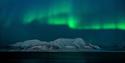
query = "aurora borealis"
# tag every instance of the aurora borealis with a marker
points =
(63, 12)
(81, 14)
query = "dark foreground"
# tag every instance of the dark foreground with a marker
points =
(62, 57)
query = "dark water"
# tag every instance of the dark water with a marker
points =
(61, 57)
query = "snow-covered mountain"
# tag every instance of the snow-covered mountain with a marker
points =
(60, 44)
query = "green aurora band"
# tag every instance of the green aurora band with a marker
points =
(63, 14)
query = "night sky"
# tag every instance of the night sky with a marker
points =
(100, 22)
